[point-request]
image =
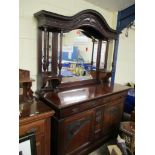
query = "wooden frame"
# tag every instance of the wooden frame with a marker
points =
(27, 144)
(90, 22)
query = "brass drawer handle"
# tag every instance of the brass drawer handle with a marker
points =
(32, 130)
(75, 110)
(105, 100)
(93, 103)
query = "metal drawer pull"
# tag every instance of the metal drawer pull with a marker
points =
(32, 130)
(75, 110)
(93, 103)
(104, 101)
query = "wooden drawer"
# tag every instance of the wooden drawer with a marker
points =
(37, 126)
(79, 108)
(115, 102)
(91, 104)
(114, 97)
(101, 101)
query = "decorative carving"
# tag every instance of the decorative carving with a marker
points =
(98, 116)
(90, 22)
(75, 127)
(112, 118)
(26, 94)
(87, 19)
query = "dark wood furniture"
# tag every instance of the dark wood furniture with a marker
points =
(87, 113)
(90, 23)
(85, 117)
(36, 117)
(25, 83)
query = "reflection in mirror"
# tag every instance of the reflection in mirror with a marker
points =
(103, 58)
(77, 56)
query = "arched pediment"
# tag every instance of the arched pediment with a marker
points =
(89, 20)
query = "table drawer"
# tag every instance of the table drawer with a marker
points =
(79, 108)
(114, 97)
(91, 104)
(37, 127)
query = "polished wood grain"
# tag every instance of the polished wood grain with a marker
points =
(36, 117)
(85, 117)
(34, 111)
(76, 127)
(87, 113)
(78, 95)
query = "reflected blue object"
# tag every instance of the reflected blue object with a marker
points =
(66, 73)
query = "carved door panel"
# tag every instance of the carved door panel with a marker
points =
(99, 122)
(112, 117)
(78, 132)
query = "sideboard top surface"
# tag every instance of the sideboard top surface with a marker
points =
(34, 111)
(74, 96)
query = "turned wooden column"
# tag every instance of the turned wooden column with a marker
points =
(39, 47)
(92, 53)
(60, 55)
(45, 50)
(106, 55)
(98, 59)
(54, 52)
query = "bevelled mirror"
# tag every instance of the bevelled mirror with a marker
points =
(77, 51)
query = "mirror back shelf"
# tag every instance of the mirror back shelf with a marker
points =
(72, 50)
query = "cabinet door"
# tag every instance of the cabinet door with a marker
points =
(78, 132)
(112, 117)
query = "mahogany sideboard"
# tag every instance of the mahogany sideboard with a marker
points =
(85, 117)
(36, 116)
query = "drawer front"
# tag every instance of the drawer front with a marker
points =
(38, 127)
(79, 108)
(90, 104)
(114, 97)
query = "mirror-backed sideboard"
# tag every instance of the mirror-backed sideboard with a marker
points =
(87, 112)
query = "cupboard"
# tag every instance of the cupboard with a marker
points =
(85, 117)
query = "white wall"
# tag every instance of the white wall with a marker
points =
(28, 25)
(125, 67)
(71, 39)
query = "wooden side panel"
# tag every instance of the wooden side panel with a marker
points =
(78, 132)
(42, 133)
(48, 133)
(37, 126)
